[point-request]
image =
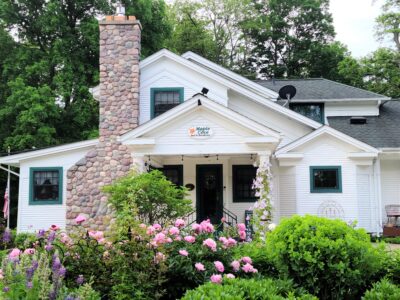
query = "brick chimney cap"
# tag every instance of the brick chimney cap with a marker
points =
(120, 20)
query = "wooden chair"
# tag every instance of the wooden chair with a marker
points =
(392, 211)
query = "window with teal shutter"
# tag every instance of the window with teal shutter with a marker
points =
(325, 179)
(45, 186)
(163, 99)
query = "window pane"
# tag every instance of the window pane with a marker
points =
(46, 185)
(312, 111)
(243, 177)
(164, 101)
(174, 173)
(327, 179)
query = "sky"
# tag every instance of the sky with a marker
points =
(354, 22)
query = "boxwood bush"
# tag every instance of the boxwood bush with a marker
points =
(247, 289)
(383, 290)
(327, 257)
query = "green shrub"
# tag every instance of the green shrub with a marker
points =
(149, 197)
(247, 289)
(394, 240)
(24, 240)
(383, 290)
(257, 250)
(392, 266)
(326, 257)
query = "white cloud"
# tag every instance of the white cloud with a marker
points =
(354, 22)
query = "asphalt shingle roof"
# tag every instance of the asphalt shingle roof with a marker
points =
(382, 131)
(320, 89)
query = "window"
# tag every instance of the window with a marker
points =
(314, 111)
(242, 181)
(174, 173)
(45, 186)
(163, 99)
(326, 179)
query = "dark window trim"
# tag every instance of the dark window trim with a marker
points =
(321, 105)
(175, 167)
(235, 198)
(164, 89)
(60, 188)
(313, 189)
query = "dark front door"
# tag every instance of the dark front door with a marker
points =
(209, 193)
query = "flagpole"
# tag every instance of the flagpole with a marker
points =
(9, 194)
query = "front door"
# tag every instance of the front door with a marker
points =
(209, 193)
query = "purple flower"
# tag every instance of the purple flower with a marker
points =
(51, 237)
(52, 295)
(69, 297)
(62, 271)
(7, 236)
(40, 233)
(56, 264)
(29, 284)
(80, 280)
(6, 289)
(29, 273)
(35, 264)
(48, 247)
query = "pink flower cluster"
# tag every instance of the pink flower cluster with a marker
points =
(227, 242)
(98, 236)
(241, 231)
(203, 227)
(244, 264)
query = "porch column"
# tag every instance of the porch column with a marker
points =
(139, 163)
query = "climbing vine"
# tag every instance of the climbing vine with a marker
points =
(262, 209)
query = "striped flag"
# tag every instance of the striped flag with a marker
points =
(6, 204)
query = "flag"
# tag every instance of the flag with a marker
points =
(6, 204)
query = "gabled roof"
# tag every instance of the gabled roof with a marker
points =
(326, 130)
(381, 131)
(16, 158)
(321, 90)
(192, 104)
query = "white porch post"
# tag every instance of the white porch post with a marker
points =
(139, 163)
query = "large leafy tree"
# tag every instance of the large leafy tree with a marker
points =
(288, 35)
(388, 23)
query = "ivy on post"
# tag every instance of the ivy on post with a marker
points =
(262, 209)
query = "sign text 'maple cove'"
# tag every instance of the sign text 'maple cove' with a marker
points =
(200, 131)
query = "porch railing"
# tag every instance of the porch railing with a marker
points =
(228, 217)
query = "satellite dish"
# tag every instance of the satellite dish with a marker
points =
(287, 92)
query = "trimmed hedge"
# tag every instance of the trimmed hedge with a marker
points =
(383, 290)
(247, 289)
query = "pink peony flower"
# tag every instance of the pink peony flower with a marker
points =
(183, 252)
(142, 225)
(230, 276)
(210, 243)
(150, 230)
(178, 238)
(54, 227)
(246, 260)
(235, 265)
(231, 242)
(80, 219)
(174, 231)
(248, 268)
(1, 274)
(216, 278)
(200, 267)
(190, 239)
(219, 266)
(197, 228)
(159, 238)
(241, 227)
(206, 226)
(157, 227)
(179, 223)
(242, 235)
(14, 254)
(29, 251)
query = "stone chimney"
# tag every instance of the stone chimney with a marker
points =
(119, 74)
(119, 113)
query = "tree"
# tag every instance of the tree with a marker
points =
(285, 33)
(388, 23)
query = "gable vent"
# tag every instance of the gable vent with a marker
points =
(358, 120)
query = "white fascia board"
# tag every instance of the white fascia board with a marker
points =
(255, 140)
(338, 100)
(228, 83)
(192, 104)
(389, 150)
(256, 87)
(15, 159)
(289, 156)
(327, 130)
(362, 155)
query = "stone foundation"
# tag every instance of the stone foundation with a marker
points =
(119, 113)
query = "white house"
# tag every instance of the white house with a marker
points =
(334, 149)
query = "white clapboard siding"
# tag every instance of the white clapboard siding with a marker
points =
(325, 151)
(365, 205)
(390, 178)
(35, 217)
(287, 194)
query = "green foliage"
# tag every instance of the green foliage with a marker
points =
(257, 250)
(247, 289)
(326, 257)
(383, 290)
(149, 197)
(388, 23)
(392, 266)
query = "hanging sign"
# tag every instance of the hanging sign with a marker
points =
(200, 131)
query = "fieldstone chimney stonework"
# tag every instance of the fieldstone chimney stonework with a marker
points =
(119, 113)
